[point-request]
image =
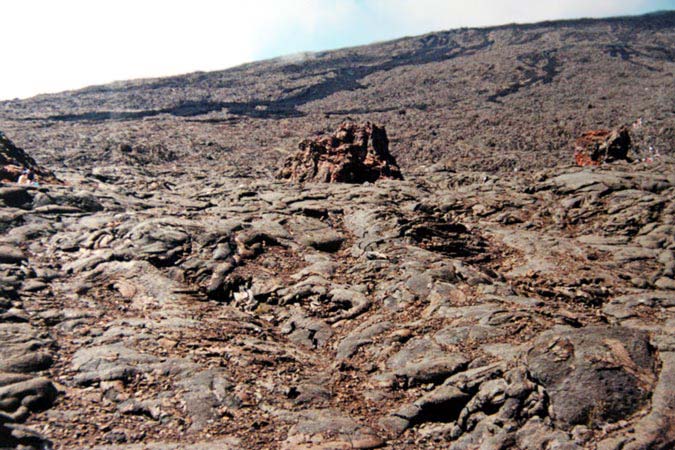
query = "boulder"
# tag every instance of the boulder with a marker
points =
(599, 146)
(355, 153)
(593, 375)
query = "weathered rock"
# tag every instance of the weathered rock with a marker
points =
(109, 362)
(593, 375)
(220, 443)
(11, 255)
(140, 154)
(421, 361)
(21, 397)
(206, 393)
(316, 234)
(444, 402)
(328, 429)
(535, 435)
(356, 302)
(361, 336)
(31, 361)
(433, 231)
(598, 146)
(406, 306)
(354, 154)
(313, 333)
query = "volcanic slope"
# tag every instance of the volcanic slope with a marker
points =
(490, 98)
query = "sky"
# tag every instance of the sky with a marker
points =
(51, 46)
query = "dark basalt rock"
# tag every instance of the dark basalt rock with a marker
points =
(593, 375)
(17, 436)
(355, 153)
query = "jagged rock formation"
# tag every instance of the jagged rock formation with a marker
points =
(14, 160)
(355, 153)
(598, 146)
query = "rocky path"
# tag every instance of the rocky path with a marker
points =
(453, 309)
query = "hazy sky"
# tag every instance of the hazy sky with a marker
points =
(50, 46)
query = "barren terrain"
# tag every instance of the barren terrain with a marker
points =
(169, 292)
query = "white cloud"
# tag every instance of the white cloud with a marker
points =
(49, 46)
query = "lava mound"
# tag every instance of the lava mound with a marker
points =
(355, 153)
(598, 146)
(14, 160)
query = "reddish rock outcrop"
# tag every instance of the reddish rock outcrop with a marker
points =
(355, 153)
(598, 146)
(14, 160)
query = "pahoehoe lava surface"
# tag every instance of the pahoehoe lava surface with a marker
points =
(170, 293)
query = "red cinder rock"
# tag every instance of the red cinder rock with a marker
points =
(355, 153)
(598, 146)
